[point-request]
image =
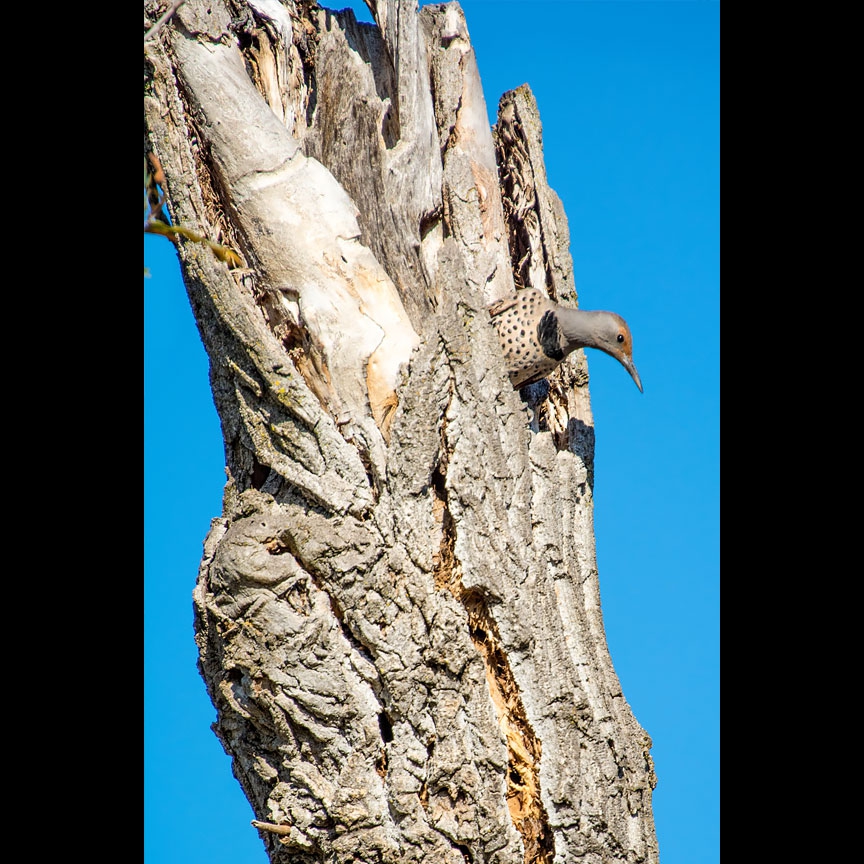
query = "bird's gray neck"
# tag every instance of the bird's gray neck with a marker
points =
(580, 328)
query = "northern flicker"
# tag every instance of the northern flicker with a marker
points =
(537, 334)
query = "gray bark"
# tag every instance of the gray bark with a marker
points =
(397, 611)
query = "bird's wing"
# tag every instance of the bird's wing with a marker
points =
(549, 335)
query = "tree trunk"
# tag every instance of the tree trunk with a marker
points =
(398, 611)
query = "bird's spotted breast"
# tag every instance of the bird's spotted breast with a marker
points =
(517, 329)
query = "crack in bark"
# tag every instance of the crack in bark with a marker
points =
(524, 748)
(522, 213)
(267, 53)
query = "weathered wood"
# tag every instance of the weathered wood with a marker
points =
(397, 612)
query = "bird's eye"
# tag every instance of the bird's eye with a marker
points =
(620, 337)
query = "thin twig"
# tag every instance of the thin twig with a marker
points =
(158, 25)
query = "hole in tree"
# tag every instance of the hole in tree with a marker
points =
(466, 852)
(386, 727)
(259, 474)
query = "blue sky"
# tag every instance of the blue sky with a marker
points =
(628, 92)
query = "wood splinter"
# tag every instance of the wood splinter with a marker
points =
(284, 830)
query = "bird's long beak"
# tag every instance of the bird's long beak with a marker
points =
(630, 366)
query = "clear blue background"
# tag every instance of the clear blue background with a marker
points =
(629, 98)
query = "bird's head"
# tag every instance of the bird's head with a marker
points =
(612, 335)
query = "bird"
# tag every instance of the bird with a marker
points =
(536, 334)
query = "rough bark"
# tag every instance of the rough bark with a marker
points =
(397, 611)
